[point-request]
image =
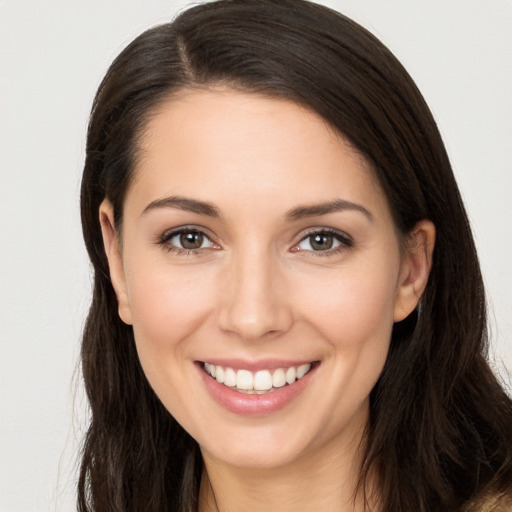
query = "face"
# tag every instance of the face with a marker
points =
(262, 273)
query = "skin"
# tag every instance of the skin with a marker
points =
(256, 289)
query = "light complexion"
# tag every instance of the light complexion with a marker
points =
(256, 243)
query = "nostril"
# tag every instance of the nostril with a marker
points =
(256, 321)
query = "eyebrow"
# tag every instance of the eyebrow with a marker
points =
(338, 205)
(298, 213)
(184, 203)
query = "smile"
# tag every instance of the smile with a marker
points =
(256, 389)
(259, 382)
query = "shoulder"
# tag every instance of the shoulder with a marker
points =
(501, 503)
(504, 504)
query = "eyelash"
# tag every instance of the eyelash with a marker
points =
(165, 238)
(344, 240)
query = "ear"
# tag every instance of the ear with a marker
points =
(415, 269)
(115, 261)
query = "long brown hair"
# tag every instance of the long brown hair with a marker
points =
(440, 431)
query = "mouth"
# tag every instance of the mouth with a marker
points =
(257, 382)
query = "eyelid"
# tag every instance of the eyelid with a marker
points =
(344, 238)
(164, 238)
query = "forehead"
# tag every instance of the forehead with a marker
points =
(218, 143)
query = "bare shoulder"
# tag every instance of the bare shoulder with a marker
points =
(502, 503)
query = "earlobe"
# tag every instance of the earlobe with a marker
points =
(415, 270)
(115, 262)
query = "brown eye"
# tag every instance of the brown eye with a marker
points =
(186, 240)
(191, 240)
(321, 241)
(325, 241)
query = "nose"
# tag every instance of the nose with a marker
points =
(254, 302)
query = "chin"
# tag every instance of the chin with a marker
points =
(253, 454)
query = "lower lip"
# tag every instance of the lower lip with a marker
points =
(245, 404)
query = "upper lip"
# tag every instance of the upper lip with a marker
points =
(255, 365)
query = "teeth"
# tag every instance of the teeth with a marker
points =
(230, 378)
(244, 379)
(291, 375)
(302, 370)
(260, 382)
(278, 378)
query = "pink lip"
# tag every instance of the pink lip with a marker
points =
(254, 366)
(253, 405)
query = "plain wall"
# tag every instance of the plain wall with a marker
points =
(52, 57)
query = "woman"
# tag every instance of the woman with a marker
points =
(288, 311)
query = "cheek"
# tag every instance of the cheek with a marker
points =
(353, 307)
(353, 313)
(357, 324)
(167, 307)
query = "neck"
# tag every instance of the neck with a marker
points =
(325, 480)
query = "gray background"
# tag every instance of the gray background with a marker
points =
(52, 57)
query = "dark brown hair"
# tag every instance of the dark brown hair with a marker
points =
(440, 431)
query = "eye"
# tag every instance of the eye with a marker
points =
(186, 240)
(323, 241)
(189, 240)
